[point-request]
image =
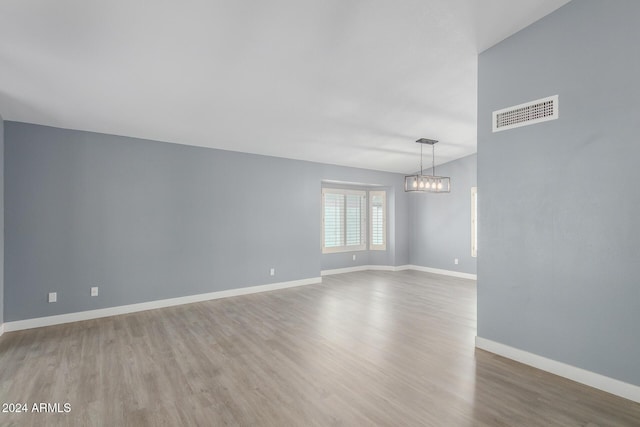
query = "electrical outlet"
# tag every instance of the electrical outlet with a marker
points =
(53, 296)
(455, 261)
(354, 257)
(94, 291)
(272, 272)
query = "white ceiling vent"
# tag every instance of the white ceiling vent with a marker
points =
(529, 113)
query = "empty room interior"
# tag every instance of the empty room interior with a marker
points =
(319, 213)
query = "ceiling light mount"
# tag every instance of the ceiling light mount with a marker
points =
(427, 183)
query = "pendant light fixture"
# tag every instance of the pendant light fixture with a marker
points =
(427, 183)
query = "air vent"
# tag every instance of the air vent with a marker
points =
(530, 113)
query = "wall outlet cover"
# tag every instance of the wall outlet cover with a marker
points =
(53, 296)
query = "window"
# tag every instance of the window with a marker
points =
(346, 224)
(344, 218)
(378, 228)
(474, 221)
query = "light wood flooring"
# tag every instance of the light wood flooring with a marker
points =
(360, 349)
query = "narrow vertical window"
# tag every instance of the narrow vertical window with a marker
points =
(474, 221)
(378, 225)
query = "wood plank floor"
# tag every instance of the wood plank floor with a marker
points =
(360, 349)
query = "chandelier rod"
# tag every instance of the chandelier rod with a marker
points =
(433, 159)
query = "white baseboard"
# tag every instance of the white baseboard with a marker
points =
(18, 325)
(364, 268)
(443, 272)
(399, 268)
(344, 270)
(38, 322)
(610, 385)
(1, 329)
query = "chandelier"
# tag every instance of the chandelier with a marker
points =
(427, 183)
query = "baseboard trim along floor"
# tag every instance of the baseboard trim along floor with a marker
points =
(443, 272)
(38, 322)
(363, 268)
(399, 268)
(601, 382)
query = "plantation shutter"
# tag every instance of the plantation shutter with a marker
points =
(378, 240)
(333, 223)
(343, 220)
(354, 220)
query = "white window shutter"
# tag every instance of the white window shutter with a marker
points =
(378, 225)
(343, 220)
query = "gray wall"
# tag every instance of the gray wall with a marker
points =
(441, 223)
(559, 201)
(146, 220)
(1, 220)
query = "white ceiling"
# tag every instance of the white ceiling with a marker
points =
(335, 81)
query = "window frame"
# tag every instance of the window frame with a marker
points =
(363, 221)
